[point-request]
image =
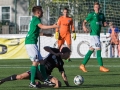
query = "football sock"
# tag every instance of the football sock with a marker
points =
(43, 71)
(99, 58)
(39, 76)
(10, 78)
(87, 57)
(33, 74)
(38, 67)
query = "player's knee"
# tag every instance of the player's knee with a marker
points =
(19, 77)
(92, 49)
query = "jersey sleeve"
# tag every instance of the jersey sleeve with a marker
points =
(55, 50)
(60, 68)
(58, 23)
(37, 21)
(89, 17)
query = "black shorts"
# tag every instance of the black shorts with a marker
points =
(38, 76)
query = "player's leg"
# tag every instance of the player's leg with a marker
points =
(24, 75)
(15, 77)
(119, 49)
(10, 78)
(99, 58)
(116, 51)
(68, 41)
(88, 55)
(42, 70)
(112, 52)
(100, 61)
(60, 42)
(32, 51)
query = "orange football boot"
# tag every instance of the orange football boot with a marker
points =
(82, 67)
(103, 69)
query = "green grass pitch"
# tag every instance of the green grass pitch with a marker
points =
(93, 79)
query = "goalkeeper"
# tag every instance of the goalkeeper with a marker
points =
(96, 20)
(64, 32)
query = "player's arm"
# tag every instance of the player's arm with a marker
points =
(57, 29)
(84, 26)
(64, 78)
(58, 23)
(88, 19)
(104, 21)
(50, 50)
(72, 26)
(47, 27)
(73, 30)
(38, 23)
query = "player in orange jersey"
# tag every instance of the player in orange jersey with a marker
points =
(63, 33)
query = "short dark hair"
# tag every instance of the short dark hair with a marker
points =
(65, 50)
(66, 9)
(36, 8)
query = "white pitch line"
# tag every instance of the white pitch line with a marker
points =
(68, 66)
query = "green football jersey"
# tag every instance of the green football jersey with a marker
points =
(96, 21)
(33, 31)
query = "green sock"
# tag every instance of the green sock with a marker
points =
(87, 57)
(33, 73)
(99, 58)
(43, 71)
(38, 67)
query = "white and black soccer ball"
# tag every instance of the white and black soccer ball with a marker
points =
(78, 80)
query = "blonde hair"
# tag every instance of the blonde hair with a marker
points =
(111, 24)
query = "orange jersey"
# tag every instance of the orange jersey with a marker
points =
(66, 25)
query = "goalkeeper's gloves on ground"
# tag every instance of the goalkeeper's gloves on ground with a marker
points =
(56, 35)
(74, 36)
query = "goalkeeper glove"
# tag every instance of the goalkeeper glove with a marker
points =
(74, 36)
(56, 35)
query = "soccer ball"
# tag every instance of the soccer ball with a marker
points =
(78, 80)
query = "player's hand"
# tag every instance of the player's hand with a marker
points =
(55, 26)
(56, 35)
(85, 29)
(74, 36)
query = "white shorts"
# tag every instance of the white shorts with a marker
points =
(95, 42)
(33, 52)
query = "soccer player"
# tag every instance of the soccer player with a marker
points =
(114, 31)
(27, 74)
(31, 44)
(51, 61)
(96, 20)
(54, 60)
(63, 33)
